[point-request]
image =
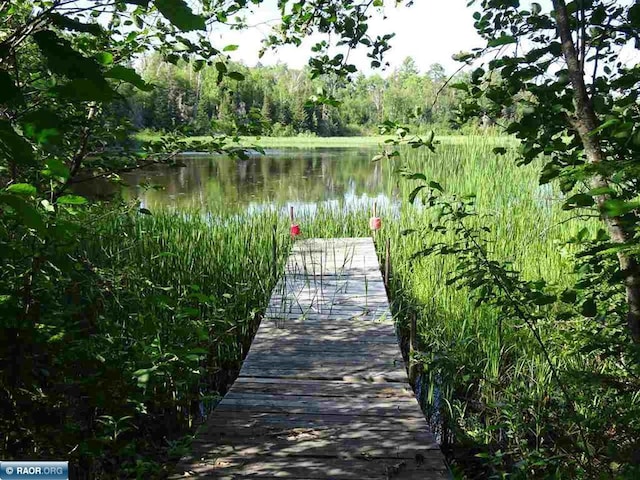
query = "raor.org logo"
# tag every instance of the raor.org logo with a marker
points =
(34, 470)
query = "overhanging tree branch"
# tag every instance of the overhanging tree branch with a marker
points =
(586, 122)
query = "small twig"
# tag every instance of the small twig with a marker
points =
(581, 216)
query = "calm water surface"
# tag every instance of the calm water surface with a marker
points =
(334, 177)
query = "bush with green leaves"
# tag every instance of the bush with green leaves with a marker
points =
(556, 394)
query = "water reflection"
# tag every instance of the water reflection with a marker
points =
(307, 179)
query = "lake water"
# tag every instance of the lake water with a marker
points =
(344, 178)
(306, 179)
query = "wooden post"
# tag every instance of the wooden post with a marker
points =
(387, 262)
(412, 348)
(275, 252)
(375, 214)
(291, 213)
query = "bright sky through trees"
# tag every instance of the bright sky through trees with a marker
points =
(430, 31)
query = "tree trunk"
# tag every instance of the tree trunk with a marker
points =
(196, 103)
(585, 122)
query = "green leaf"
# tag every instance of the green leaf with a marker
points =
(104, 58)
(72, 200)
(23, 189)
(130, 76)
(581, 235)
(567, 184)
(601, 191)
(57, 169)
(230, 48)
(180, 15)
(502, 40)
(143, 375)
(86, 90)
(67, 23)
(605, 125)
(14, 147)
(615, 207)
(541, 299)
(144, 371)
(42, 125)
(634, 15)
(236, 76)
(415, 176)
(550, 171)
(436, 186)
(8, 90)
(414, 193)
(578, 200)
(29, 216)
(589, 308)
(460, 86)
(63, 59)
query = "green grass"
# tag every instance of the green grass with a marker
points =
(222, 270)
(322, 142)
(182, 296)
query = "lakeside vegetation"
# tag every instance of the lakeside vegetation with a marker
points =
(139, 340)
(481, 368)
(312, 141)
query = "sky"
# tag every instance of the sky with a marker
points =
(430, 31)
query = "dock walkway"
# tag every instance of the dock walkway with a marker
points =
(323, 392)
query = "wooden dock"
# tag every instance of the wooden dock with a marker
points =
(323, 392)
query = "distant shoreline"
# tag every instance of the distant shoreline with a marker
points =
(330, 142)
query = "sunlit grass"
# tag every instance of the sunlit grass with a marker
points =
(328, 142)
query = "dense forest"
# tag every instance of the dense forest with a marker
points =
(190, 98)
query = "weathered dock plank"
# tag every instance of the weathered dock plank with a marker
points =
(323, 392)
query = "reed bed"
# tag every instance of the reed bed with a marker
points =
(475, 375)
(326, 142)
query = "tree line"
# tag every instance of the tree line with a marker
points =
(193, 99)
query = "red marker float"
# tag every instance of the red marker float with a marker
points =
(375, 222)
(295, 228)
